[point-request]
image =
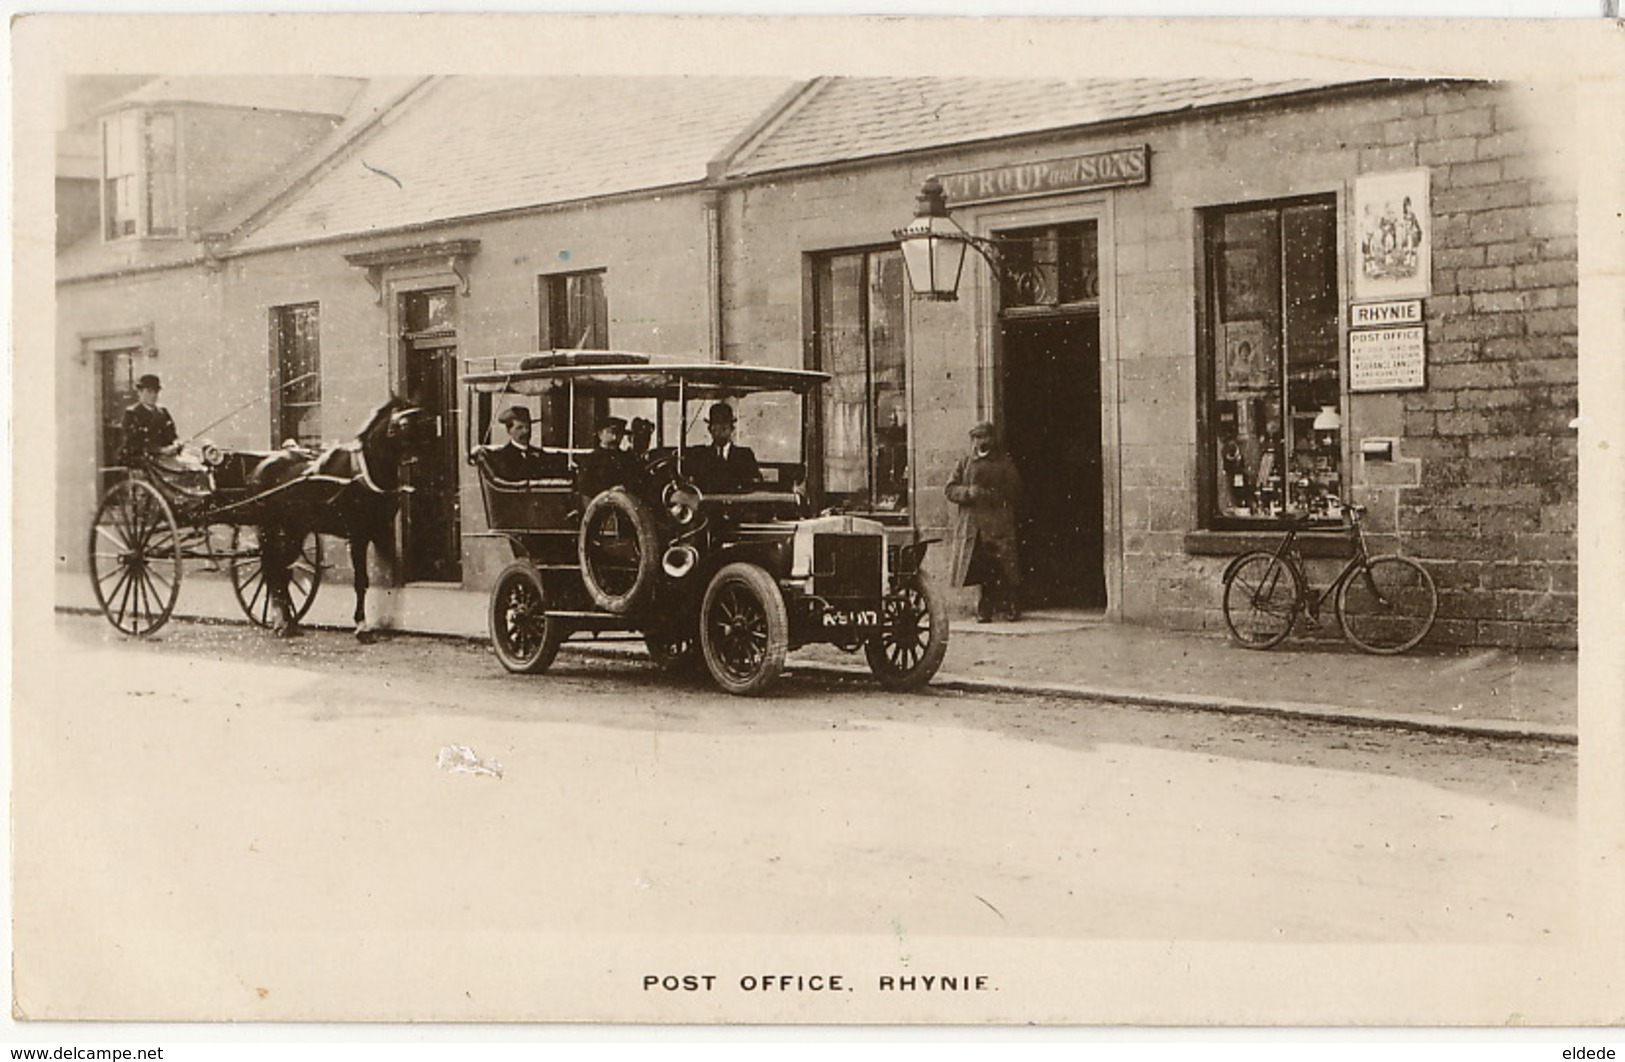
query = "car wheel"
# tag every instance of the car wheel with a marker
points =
(913, 636)
(619, 547)
(744, 629)
(525, 639)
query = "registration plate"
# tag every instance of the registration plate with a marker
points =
(856, 617)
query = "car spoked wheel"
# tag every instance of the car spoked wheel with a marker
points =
(744, 630)
(912, 639)
(525, 639)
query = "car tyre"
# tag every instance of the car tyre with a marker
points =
(744, 629)
(619, 547)
(913, 636)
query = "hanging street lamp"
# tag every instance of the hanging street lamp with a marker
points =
(934, 244)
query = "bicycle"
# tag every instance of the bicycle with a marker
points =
(1385, 604)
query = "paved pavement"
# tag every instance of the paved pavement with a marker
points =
(1080, 655)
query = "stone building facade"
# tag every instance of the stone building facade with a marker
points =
(1114, 346)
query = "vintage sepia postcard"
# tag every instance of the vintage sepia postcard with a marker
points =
(817, 521)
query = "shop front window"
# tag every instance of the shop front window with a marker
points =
(863, 422)
(1272, 439)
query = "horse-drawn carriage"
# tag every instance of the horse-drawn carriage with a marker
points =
(258, 514)
(734, 579)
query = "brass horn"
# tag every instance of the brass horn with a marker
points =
(679, 560)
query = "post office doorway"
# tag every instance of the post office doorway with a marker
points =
(1052, 410)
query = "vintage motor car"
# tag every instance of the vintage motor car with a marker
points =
(736, 579)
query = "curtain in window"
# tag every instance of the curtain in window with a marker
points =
(860, 300)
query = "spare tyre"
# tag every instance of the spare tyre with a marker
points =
(619, 546)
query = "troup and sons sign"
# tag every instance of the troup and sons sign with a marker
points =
(1076, 173)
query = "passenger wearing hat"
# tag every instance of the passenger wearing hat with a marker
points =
(516, 459)
(607, 465)
(149, 430)
(724, 467)
(985, 489)
(641, 435)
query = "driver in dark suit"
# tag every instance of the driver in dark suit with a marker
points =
(148, 429)
(517, 459)
(724, 467)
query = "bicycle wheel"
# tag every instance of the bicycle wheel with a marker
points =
(1262, 595)
(1388, 605)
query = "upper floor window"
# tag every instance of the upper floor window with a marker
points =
(297, 411)
(862, 433)
(140, 176)
(574, 311)
(574, 314)
(1271, 419)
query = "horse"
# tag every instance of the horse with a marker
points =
(351, 491)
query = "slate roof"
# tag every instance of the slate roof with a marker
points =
(854, 118)
(477, 145)
(309, 95)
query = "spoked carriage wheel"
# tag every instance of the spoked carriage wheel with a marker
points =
(135, 558)
(248, 577)
(525, 639)
(913, 637)
(744, 629)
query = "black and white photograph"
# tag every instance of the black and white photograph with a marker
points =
(547, 519)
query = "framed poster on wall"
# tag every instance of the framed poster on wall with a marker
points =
(1249, 363)
(1393, 230)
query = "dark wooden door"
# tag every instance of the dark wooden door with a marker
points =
(115, 394)
(431, 524)
(1052, 429)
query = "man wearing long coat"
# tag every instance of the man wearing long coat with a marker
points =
(985, 489)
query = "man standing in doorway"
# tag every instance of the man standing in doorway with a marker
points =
(985, 489)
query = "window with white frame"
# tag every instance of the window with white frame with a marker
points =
(140, 175)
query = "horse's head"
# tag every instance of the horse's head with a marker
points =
(398, 425)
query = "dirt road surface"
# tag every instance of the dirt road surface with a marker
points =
(216, 823)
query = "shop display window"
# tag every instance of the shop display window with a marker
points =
(862, 434)
(1272, 436)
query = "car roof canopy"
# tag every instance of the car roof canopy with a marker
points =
(623, 374)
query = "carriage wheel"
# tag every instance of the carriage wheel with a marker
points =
(248, 577)
(744, 630)
(135, 558)
(913, 636)
(525, 639)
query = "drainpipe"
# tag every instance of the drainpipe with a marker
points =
(713, 273)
